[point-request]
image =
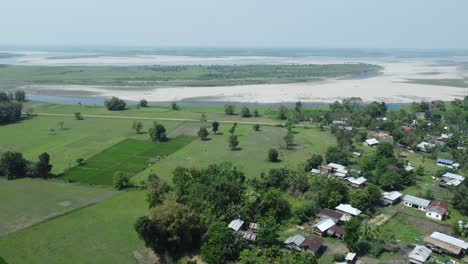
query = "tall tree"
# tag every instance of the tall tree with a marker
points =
(156, 188)
(158, 132)
(221, 245)
(13, 165)
(215, 126)
(352, 230)
(203, 133)
(171, 228)
(233, 142)
(43, 167)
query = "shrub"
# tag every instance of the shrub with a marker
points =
(115, 104)
(143, 103)
(273, 155)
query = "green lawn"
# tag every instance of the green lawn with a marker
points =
(25, 202)
(252, 156)
(129, 156)
(79, 139)
(102, 233)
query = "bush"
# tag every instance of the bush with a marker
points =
(273, 155)
(78, 116)
(121, 181)
(143, 103)
(256, 127)
(174, 106)
(245, 112)
(115, 104)
(80, 161)
(10, 112)
(229, 109)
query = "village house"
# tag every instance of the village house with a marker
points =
(357, 154)
(372, 142)
(312, 245)
(350, 258)
(425, 146)
(348, 210)
(335, 169)
(416, 202)
(330, 214)
(294, 242)
(250, 231)
(451, 179)
(321, 227)
(437, 210)
(336, 231)
(391, 198)
(419, 255)
(300, 243)
(357, 183)
(442, 243)
(448, 163)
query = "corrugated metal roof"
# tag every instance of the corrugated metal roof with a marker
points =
(372, 141)
(236, 224)
(324, 225)
(450, 240)
(416, 200)
(453, 176)
(347, 208)
(445, 161)
(357, 181)
(297, 240)
(420, 253)
(392, 196)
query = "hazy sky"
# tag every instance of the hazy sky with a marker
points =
(251, 23)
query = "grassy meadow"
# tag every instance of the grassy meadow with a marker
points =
(79, 139)
(196, 75)
(38, 200)
(102, 233)
(251, 157)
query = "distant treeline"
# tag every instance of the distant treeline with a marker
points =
(196, 75)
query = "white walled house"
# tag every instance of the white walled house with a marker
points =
(416, 202)
(437, 210)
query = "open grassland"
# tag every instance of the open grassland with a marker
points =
(102, 233)
(78, 139)
(129, 156)
(268, 114)
(25, 202)
(196, 75)
(251, 157)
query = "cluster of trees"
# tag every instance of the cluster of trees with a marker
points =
(14, 166)
(115, 104)
(230, 109)
(158, 132)
(10, 111)
(194, 215)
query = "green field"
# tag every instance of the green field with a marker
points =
(129, 156)
(196, 75)
(102, 233)
(252, 156)
(25, 202)
(79, 139)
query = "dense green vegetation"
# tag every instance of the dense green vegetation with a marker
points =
(128, 157)
(178, 75)
(201, 185)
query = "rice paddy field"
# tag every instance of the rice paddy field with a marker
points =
(129, 156)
